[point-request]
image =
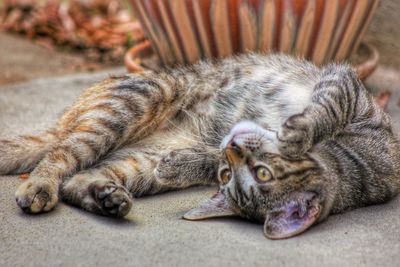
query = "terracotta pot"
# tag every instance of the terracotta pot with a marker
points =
(183, 31)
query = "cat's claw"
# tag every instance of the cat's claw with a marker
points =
(36, 196)
(113, 200)
(295, 137)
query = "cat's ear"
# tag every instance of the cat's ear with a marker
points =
(216, 206)
(293, 218)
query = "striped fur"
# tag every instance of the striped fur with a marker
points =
(146, 133)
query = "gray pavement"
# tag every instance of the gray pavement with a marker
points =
(153, 233)
(22, 60)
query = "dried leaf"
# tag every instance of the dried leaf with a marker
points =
(103, 26)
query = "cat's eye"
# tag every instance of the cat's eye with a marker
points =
(224, 176)
(263, 174)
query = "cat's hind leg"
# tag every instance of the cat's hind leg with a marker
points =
(105, 117)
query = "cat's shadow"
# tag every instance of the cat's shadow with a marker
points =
(84, 216)
(127, 221)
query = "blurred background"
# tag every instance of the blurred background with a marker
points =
(42, 38)
(45, 38)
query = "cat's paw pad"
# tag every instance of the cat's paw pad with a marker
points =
(112, 199)
(295, 136)
(36, 196)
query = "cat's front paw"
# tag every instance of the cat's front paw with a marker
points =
(35, 196)
(110, 199)
(295, 136)
(167, 169)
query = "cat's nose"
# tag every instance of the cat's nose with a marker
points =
(235, 150)
(235, 146)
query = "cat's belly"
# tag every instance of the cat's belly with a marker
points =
(167, 139)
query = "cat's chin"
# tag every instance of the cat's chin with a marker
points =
(294, 217)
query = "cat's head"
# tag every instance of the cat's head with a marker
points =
(257, 183)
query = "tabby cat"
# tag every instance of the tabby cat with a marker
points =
(287, 142)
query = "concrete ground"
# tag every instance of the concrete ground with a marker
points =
(153, 233)
(22, 60)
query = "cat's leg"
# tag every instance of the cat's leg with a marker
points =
(108, 187)
(338, 100)
(188, 167)
(105, 117)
